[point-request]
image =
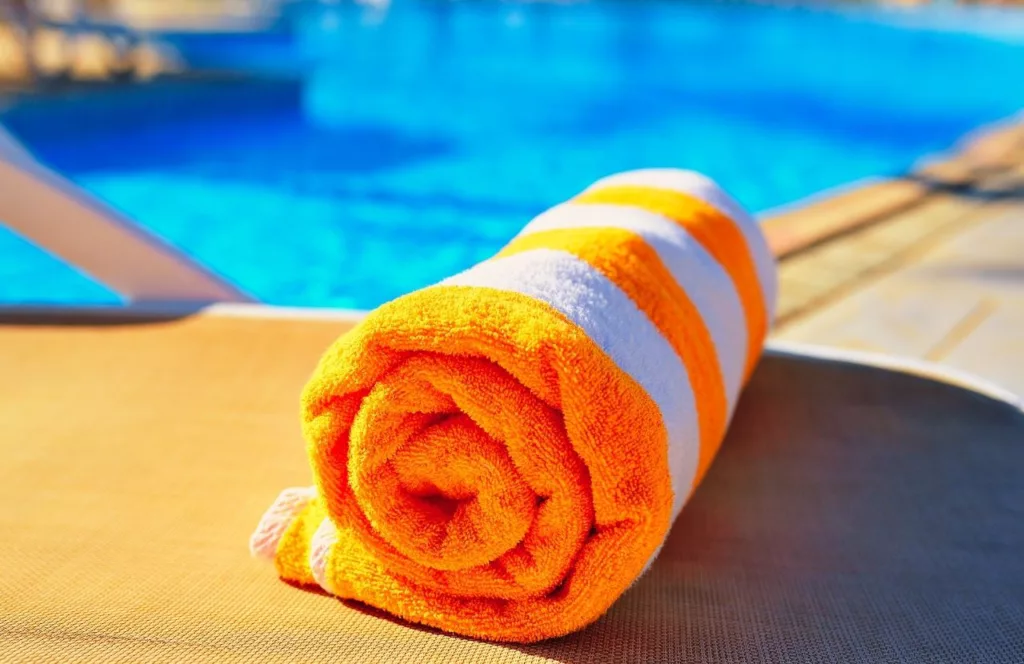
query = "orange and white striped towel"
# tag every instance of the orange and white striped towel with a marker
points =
(502, 454)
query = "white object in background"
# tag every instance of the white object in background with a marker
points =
(55, 214)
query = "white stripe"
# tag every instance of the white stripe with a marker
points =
(319, 551)
(277, 518)
(703, 188)
(611, 319)
(695, 271)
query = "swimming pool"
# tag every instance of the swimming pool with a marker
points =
(373, 153)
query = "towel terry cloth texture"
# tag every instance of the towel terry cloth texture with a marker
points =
(502, 454)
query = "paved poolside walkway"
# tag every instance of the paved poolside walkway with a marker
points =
(940, 278)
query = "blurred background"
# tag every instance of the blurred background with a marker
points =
(338, 154)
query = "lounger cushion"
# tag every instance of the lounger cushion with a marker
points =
(854, 514)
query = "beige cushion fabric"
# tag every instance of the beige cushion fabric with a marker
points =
(854, 514)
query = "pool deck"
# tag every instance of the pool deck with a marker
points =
(929, 266)
(69, 51)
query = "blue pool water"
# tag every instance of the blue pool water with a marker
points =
(371, 154)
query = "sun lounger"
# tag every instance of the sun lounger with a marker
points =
(856, 512)
(48, 209)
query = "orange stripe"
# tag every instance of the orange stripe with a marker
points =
(716, 232)
(292, 556)
(630, 263)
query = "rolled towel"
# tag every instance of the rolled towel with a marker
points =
(502, 454)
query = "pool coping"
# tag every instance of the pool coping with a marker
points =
(829, 215)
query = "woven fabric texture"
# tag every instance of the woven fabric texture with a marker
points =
(853, 515)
